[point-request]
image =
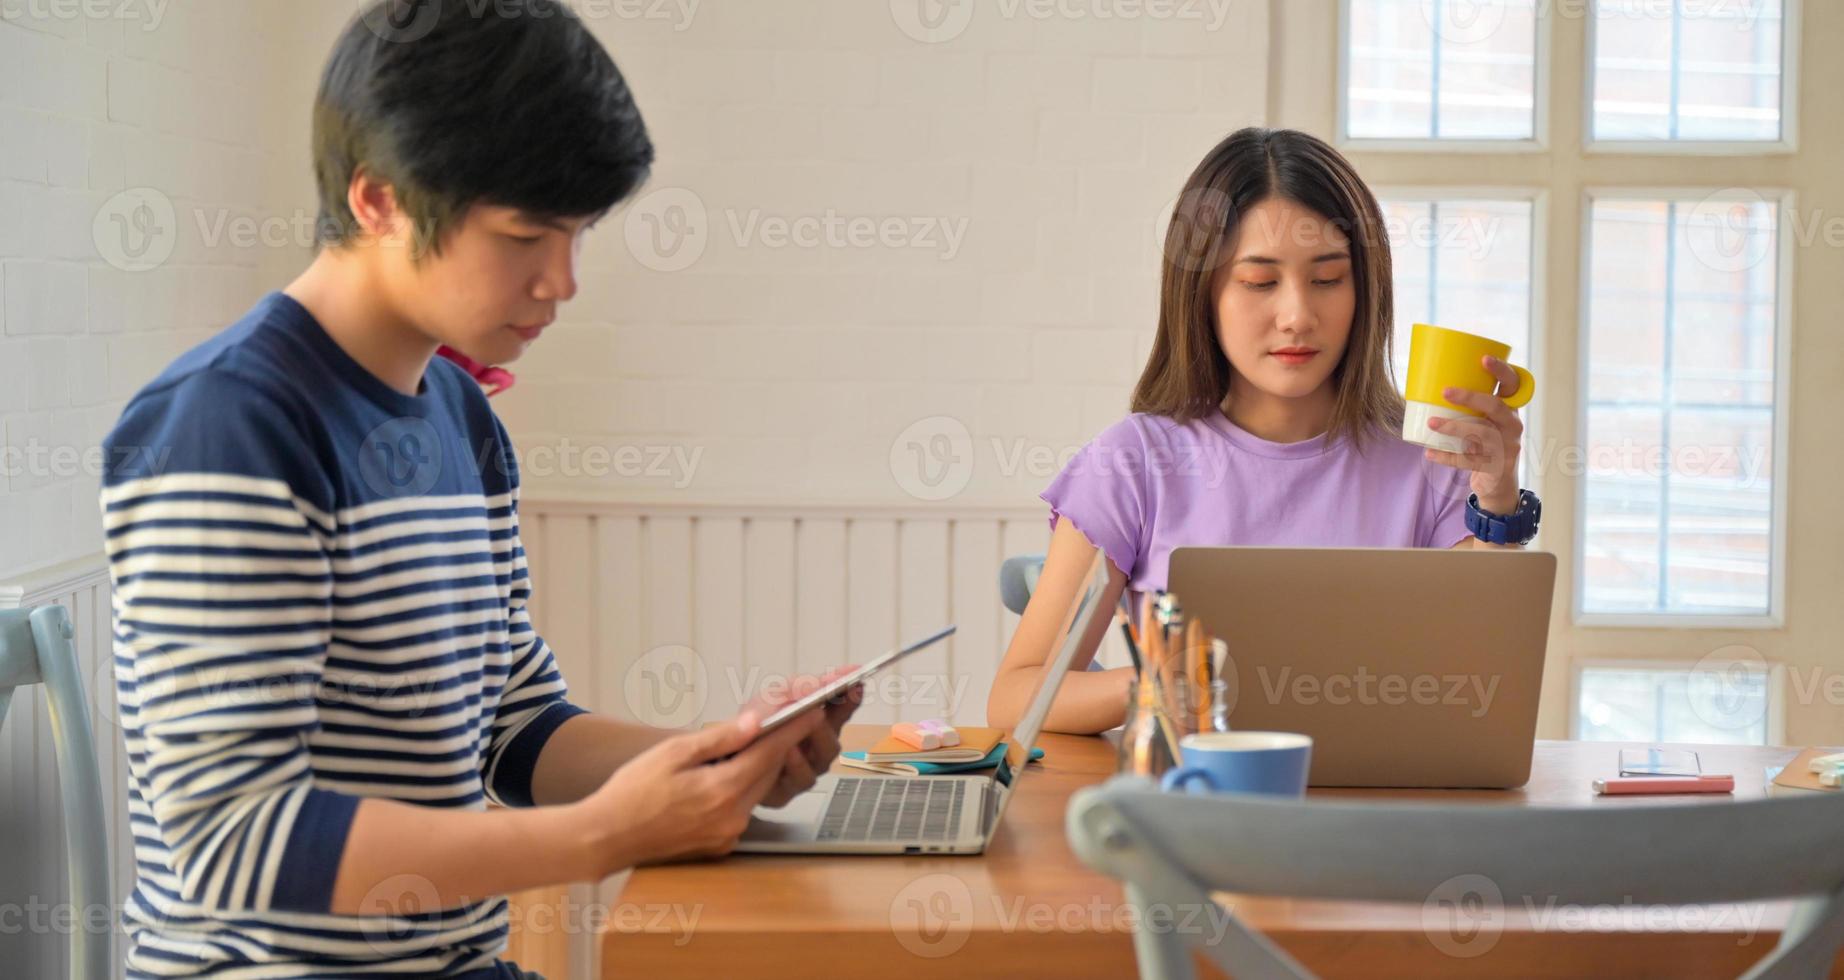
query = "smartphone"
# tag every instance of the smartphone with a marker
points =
(1680, 763)
(825, 692)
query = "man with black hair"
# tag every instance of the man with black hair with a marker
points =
(323, 652)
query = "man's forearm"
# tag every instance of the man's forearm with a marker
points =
(583, 752)
(399, 857)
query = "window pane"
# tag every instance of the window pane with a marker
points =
(1687, 70)
(1441, 69)
(1727, 707)
(1463, 264)
(1680, 418)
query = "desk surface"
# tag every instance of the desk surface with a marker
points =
(1029, 907)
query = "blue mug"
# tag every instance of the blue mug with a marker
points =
(1271, 763)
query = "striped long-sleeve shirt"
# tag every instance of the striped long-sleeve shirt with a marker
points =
(319, 596)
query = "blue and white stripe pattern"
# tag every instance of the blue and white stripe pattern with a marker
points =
(319, 595)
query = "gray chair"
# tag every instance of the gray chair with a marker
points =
(1174, 850)
(36, 648)
(1018, 579)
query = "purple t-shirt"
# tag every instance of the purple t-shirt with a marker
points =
(1149, 484)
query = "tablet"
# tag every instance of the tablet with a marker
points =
(788, 712)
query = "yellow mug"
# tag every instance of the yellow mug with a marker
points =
(1441, 358)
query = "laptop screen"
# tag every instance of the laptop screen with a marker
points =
(1024, 735)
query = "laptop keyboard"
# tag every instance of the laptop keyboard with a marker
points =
(893, 809)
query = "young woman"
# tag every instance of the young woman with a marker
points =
(1266, 414)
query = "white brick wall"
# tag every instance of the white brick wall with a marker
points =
(1047, 144)
(1057, 140)
(169, 96)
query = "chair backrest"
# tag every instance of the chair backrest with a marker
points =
(36, 648)
(1173, 848)
(1018, 579)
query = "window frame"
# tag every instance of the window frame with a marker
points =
(1775, 733)
(1786, 145)
(1538, 142)
(1785, 201)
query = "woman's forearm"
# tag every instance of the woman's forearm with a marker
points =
(1089, 702)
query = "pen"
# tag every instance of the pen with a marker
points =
(1635, 785)
(1126, 632)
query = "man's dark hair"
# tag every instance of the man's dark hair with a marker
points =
(457, 102)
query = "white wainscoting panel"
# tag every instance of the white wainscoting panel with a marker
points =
(675, 614)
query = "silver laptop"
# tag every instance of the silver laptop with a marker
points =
(1416, 667)
(951, 814)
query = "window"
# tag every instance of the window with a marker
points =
(1659, 320)
(1734, 702)
(1441, 70)
(1689, 70)
(1681, 401)
(1466, 263)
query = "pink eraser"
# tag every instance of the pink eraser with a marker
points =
(949, 737)
(912, 733)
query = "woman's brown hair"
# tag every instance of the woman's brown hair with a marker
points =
(1187, 376)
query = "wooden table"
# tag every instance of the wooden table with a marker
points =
(1028, 907)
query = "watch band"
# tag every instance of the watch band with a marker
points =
(1518, 527)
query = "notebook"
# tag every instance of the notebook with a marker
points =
(1797, 777)
(975, 744)
(857, 761)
